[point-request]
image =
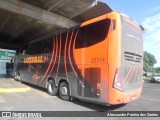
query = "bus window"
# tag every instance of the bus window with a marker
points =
(48, 45)
(97, 32)
(36, 48)
(81, 38)
(93, 33)
(27, 49)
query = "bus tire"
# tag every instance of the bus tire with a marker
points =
(64, 91)
(51, 88)
(15, 76)
(19, 78)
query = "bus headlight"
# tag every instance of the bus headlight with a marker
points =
(117, 80)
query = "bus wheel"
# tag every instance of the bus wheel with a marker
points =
(51, 87)
(64, 91)
(15, 76)
(18, 77)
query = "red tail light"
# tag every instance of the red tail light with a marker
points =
(118, 80)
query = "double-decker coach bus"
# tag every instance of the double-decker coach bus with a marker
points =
(98, 61)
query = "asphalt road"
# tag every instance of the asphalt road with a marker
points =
(38, 100)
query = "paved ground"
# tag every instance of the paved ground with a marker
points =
(38, 100)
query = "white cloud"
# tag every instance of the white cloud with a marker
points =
(155, 9)
(152, 35)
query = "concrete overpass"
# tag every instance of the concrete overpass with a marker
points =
(25, 20)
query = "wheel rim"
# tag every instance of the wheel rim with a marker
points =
(64, 90)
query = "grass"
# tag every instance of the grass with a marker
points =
(146, 78)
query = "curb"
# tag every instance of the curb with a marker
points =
(13, 90)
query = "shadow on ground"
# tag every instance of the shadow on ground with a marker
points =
(97, 107)
(150, 81)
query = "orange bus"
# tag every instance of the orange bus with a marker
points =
(99, 61)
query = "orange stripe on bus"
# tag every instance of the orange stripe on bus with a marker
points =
(56, 44)
(71, 62)
(70, 59)
(59, 57)
(54, 60)
(69, 54)
(129, 71)
(65, 64)
(48, 66)
(75, 39)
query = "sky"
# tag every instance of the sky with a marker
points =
(147, 14)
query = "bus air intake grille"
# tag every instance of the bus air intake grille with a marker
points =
(132, 57)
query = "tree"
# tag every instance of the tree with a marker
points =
(149, 61)
(157, 70)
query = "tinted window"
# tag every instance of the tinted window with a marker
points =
(48, 45)
(40, 47)
(81, 38)
(28, 49)
(93, 33)
(36, 48)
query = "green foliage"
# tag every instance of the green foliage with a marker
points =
(149, 61)
(146, 78)
(157, 70)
